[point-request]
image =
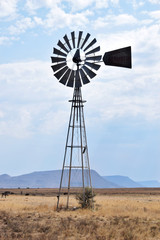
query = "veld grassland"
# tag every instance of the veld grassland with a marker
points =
(115, 217)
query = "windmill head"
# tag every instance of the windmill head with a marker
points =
(75, 62)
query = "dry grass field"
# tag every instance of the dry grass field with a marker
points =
(122, 214)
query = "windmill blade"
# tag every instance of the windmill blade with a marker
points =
(73, 38)
(70, 82)
(94, 58)
(85, 40)
(77, 80)
(67, 41)
(58, 52)
(57, 59)
(93, 65)
(79, 38)
(58, 66)
(119, 58)
(90, 73)
(84, 77)
(93, 50)
(59, 74)
(91, 44)
(65, 76)
(61, 45)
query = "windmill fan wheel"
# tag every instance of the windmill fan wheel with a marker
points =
(75, 60)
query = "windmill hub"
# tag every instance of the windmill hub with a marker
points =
(75, 57)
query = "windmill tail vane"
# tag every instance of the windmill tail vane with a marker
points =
(118, 58)
(75, 62)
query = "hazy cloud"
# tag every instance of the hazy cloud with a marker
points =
(154, 1)
(57, 18)
(8, 8)
(115, 20)
(21, 26)
(30, 94)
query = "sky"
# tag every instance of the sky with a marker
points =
(122, 112)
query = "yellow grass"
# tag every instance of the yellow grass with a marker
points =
(117, 217)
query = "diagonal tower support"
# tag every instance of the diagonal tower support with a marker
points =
(76, 168)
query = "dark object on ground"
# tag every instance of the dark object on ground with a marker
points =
(6, 193)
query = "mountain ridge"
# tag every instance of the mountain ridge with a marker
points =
(123, 181)
(51, 179)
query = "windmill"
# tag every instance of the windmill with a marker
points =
(74, 63)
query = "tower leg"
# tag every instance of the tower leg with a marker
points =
(76, 168)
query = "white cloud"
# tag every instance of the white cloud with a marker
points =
(154, 1)
(57, 18)
(124, 19)
(155, 15)
(123, 93)
(33, 5)
(61, 14)
(7, 40)
(106, 3)
(79, 4)
(17, 124)
(8, 8)
(115, 20)
(54, 121)
(136, 4)
(75, 6)
(31, 99)
(21, 26)
(3, 40)
(143, 40)
(96, 4)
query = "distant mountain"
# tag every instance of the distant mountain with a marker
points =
(4, 177)
(99, 182)
(151, 183)
(51, 179)
(124, 182)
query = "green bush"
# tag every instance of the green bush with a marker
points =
(85, 198)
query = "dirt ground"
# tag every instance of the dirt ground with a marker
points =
(119, 214)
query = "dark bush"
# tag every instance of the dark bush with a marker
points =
(86, 198)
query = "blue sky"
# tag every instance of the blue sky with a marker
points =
(122, 111)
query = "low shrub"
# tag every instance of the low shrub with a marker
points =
(86, 198)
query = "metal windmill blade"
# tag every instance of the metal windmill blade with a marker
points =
(67, 42)
(73, 38)
(57, 59)
(85, 40)
(79, 38)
